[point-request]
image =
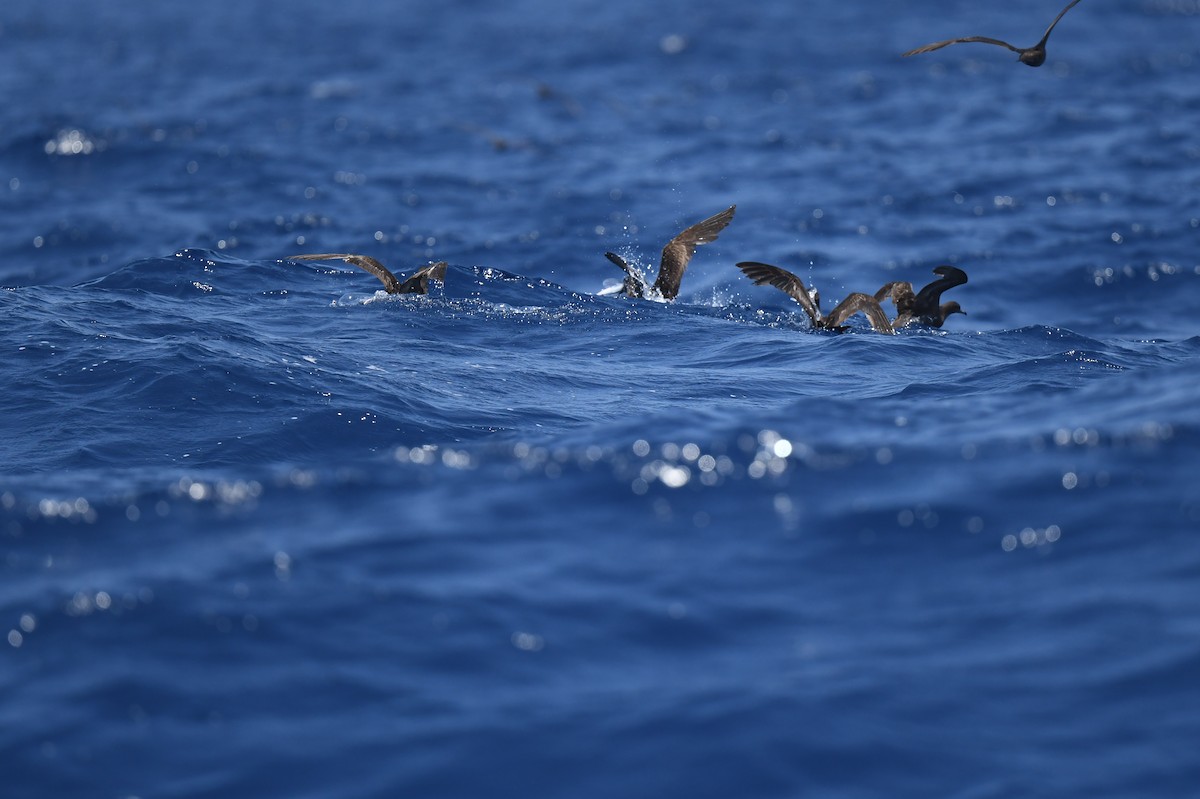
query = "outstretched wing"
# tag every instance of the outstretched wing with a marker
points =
(927, 299)
(1046, 35)
(785, 281)
(419, 282)
(679, 251)
(390, 283)
(864, 304)
(900, 292)
(983, 39)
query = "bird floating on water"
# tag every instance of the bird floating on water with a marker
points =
(1033, 56)
(418, 283)
(810, 300)
(675, 258)
(923, 306)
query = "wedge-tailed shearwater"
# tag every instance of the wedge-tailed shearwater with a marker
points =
(810, 300)
(418, 283)
(923, 306)
(675, 257)
(1033, 56)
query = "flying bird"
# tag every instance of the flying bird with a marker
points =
(675, 257)
(923, 306)
(418, 283)
(810, 300)
(1033, 56)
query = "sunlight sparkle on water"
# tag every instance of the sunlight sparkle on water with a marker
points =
(71, 142)
(283, 565)
(528, 642)
(1031, 537)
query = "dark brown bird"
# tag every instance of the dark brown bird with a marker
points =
(810, 301)
(1033, 56)
(417, 284)
(675, 257)
(923, 306)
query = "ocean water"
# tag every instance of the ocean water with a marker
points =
(266, 531)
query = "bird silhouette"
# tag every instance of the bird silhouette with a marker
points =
(923, 306)
(675, 258)
(418, 283)
(810, 300)
(1033, 56)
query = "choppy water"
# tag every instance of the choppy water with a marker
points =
(266, 532)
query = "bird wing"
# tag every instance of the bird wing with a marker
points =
(1046, 35)
(984, 39)
(864, 304)
(390, 283)
(419, 282)
(679, 251)
(635, 283)
(927, 299)
(785, 281)
(899, 292)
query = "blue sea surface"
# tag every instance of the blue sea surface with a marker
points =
(267, 531)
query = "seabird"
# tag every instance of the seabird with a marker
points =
(675, 257)
(1033, 56)
(923, 306)
(810, 300)
(417, 284)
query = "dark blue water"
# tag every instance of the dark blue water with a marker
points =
(266, 532)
